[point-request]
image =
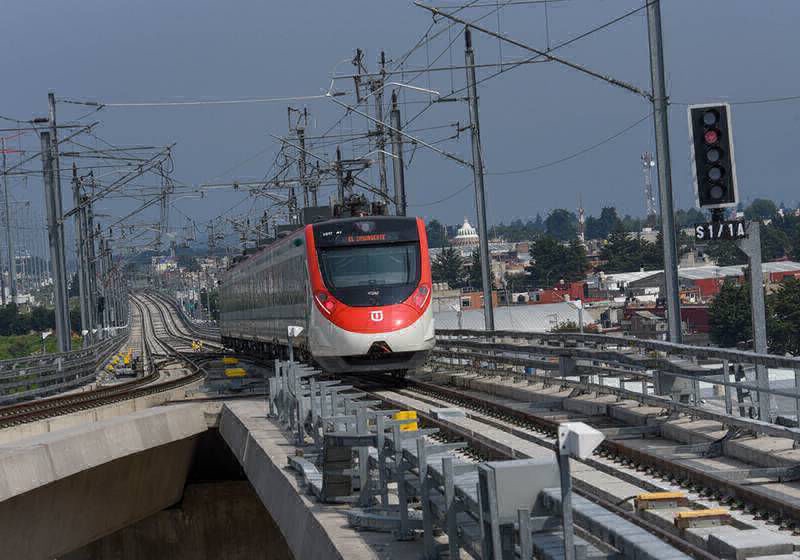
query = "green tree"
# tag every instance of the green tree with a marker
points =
(625, 252)
(729, 315)
(552, 261)
(789, 226)
(42, 319)
(761, 209)
(783, 318)
(599, 228)
(18, 348)
(690, 217)
(725, 253)
(561, 224)
(775, 244)
(517, 230)
(437, 234)
(448, 266)
(630, 223)
(474, 279)
(537, 224)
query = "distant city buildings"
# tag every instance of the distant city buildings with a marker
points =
(192, 281)
(630, 302)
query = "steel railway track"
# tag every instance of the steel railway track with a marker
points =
(627, 463)
(370, 384)
(614, 458)
(782, 511)
(148, 384)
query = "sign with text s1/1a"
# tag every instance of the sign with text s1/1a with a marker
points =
(718, 231)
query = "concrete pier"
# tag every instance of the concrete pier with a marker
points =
(311, 529)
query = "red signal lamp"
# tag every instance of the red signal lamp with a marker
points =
(711, 136)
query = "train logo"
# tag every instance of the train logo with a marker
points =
(376, 316)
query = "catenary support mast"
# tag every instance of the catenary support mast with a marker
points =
(663, 162)
(480, 196)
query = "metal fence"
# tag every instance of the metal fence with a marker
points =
(653, 372)
(39, 376)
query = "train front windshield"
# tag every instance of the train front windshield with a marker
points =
(371, 275)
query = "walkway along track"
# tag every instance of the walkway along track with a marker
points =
(777, 507)
(495, 451)
(767, 508)
(143, 386)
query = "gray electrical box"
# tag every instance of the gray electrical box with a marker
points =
(516, 485)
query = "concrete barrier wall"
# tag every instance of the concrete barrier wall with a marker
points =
(63, 490)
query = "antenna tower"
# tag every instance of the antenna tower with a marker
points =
(648, 163)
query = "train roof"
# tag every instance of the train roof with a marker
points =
(248, 256)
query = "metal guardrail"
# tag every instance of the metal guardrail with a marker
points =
(39, 376)
(607, 341)
(491, 510)
(654, 372)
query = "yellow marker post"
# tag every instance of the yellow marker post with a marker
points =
(407, 415)
(713, 517)
(660, 500)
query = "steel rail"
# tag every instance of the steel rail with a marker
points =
(494, 451)
(47, 408)
(770, 502)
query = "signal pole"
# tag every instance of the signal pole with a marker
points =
(377, 90)
(751, 246)
(398, 170)
(55, 229)
(12, 263)
(477, 170)
(81, 257)
(339, 175)
(663, 163)
(92, 262)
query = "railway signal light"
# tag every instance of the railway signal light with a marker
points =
(712, 155)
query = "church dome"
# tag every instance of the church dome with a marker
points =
(466, 235)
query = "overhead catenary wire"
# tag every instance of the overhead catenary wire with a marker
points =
(195, 102)
(575, 154)
(535, 58)
(575, 66)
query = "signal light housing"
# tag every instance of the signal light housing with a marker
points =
(713, 165)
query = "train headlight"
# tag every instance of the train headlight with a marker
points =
(421, 295)
(325, 302)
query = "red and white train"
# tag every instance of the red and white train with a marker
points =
(359, 287)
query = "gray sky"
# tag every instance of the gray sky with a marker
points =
(150, 50)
